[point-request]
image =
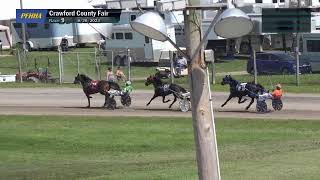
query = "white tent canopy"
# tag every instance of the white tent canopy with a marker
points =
(7, 32)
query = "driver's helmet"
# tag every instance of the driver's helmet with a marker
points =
(278, 86)
(128, 83)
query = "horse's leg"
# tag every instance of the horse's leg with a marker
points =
(88, 97)
(163, 99)
(239, 101)
(174, 100)
(252, 100)
(154, 96)
(230, 97)
(106, 96)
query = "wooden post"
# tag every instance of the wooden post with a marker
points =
(297, 61)
(24, 39)
(129, 64)
(255, 66)
(213, 73)
(60, 71)
(171, 66)
(297, 54)
(202, 115)
(19, 63)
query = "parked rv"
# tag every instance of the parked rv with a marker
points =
(310, 50)
(43, 36)
(142, 48)
(47, 36)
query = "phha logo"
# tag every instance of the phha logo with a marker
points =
(31, 15)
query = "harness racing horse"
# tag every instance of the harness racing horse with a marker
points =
(90, 86)
(239, 90)
(164, 89)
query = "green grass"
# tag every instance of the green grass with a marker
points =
(54, 147)
(8, 65)
(230, 65)
(309, 83)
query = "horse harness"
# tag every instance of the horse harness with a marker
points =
(93, 87)
(165, 87)
(241, 87)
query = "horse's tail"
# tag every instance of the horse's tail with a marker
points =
(114, 85)
(183, 89)
(178, 88)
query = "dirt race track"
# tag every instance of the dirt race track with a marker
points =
(72, 101)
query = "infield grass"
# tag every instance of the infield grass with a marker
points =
(309, 83)
(55, 147)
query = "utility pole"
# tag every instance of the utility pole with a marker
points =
(23, 26)
(297, 53)
(255, 67)
(202, 115)
(171, 66)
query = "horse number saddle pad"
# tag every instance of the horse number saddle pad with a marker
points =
(241, 87)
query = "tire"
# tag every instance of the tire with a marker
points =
(277, 104)
(245, 48)
(117, 60)
(33, 79)
(28, 47)
(252, 71)
(285, 71)
(261, 107)
(126, 100)
(124, 61)
(184, 105)
(111, 103)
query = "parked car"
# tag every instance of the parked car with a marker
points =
(276, 62)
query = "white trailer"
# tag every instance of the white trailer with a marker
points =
(142, 48)
(310, 50)
(47, 36)
(43, 36)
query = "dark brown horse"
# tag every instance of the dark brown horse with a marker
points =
(164, 89)
(90, 86)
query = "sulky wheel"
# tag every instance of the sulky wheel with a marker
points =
(262, 106)
(277, 104)
(126, 100)
(184, 105)
(111, 103)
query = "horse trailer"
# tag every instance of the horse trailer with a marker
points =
(142, 48)
(309, 48)
(43, 36)
(47, 36)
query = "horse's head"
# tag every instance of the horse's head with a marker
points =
(81, 78)
(226, 80)
(261, 89)
(77, 79)
(152, 79)
(149, 80)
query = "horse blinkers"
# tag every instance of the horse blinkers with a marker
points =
(149, 80)
(76, 79)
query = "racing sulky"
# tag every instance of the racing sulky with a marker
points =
(164, 89)
(239, 90)
(275, 96)
(90, 86)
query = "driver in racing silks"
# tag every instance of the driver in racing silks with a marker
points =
(128, 87)
(276, 94)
